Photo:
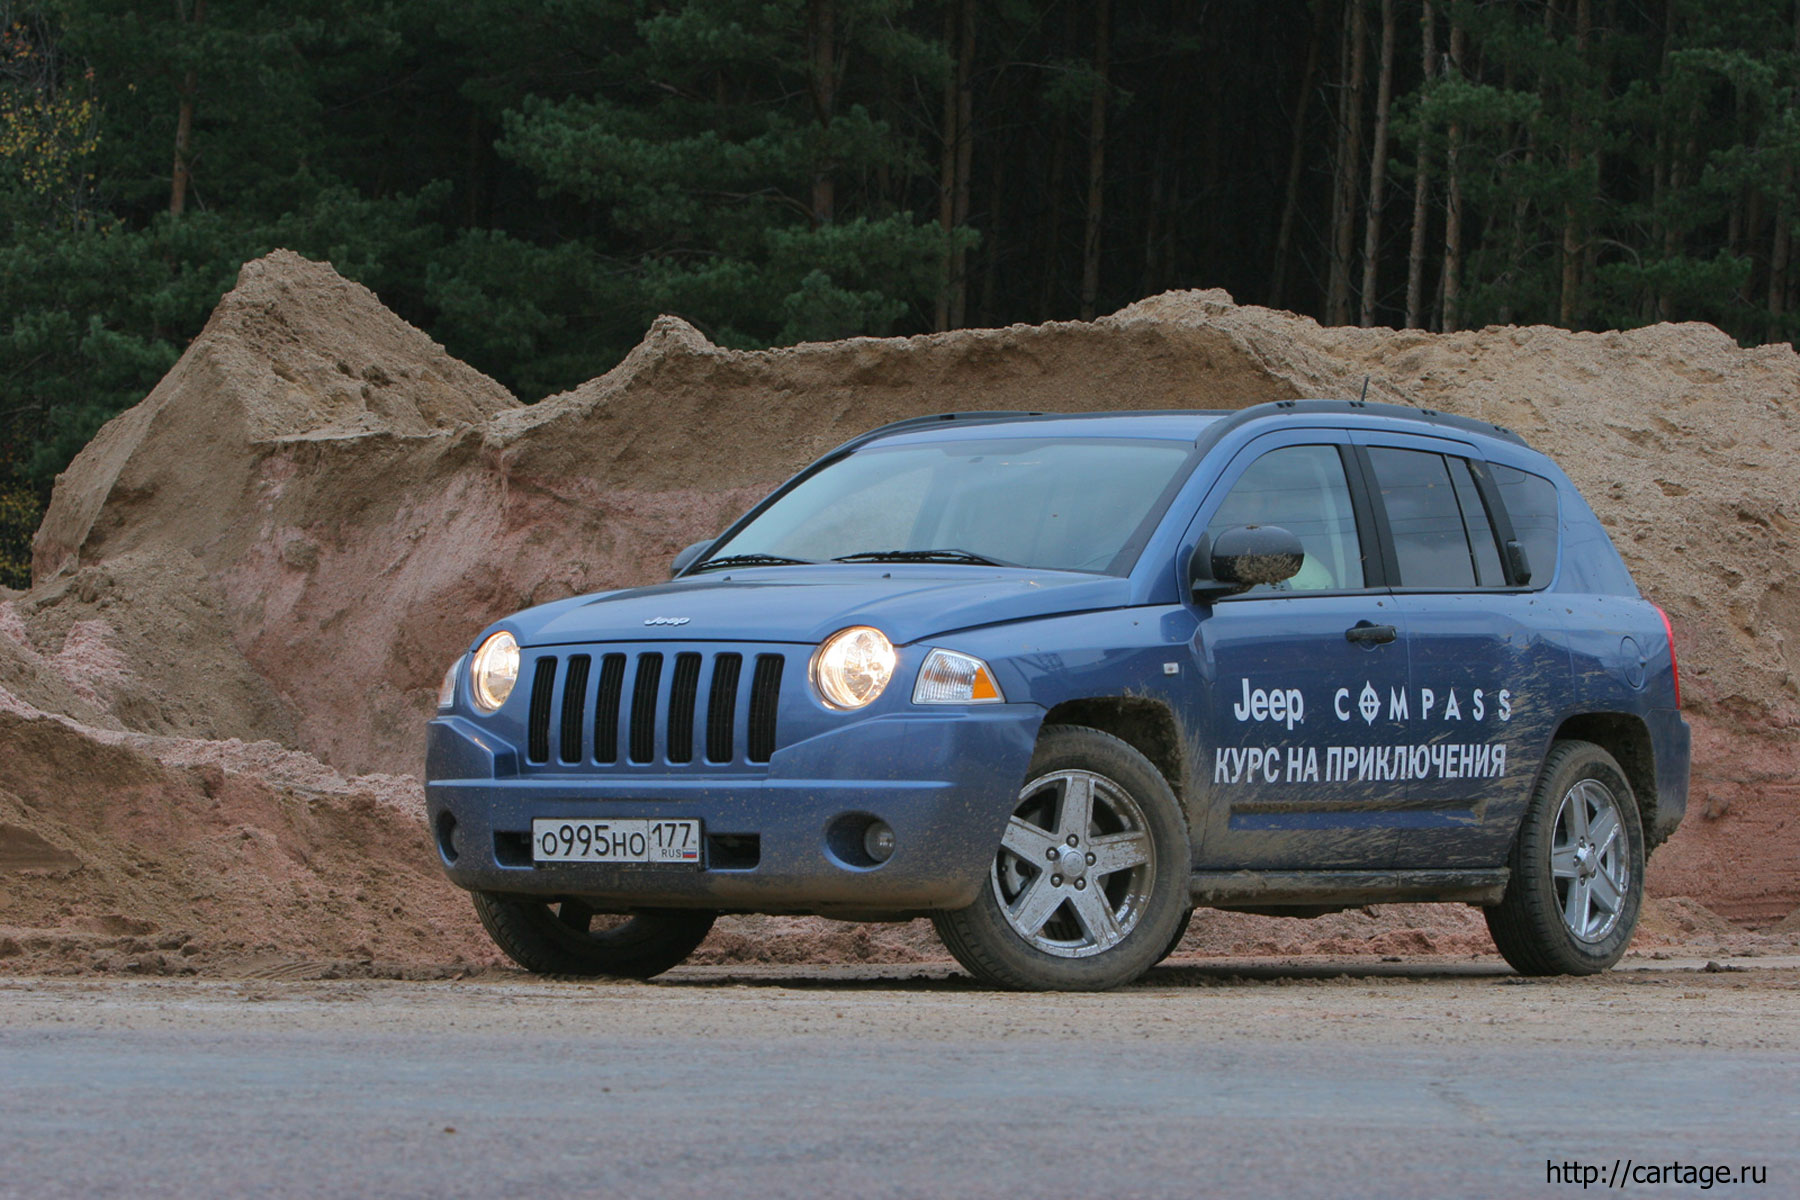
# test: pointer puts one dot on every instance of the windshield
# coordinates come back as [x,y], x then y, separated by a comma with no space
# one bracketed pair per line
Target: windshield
[1069,505]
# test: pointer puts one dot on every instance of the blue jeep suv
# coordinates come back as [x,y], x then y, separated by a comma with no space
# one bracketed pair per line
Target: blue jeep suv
[1053,680]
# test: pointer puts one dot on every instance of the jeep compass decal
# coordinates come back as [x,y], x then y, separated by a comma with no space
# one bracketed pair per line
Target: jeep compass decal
[1286,707]
[1352,764]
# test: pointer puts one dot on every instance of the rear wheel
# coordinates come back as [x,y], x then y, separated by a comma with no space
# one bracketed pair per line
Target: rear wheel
[1577,869]
[1089,886]
[567,937]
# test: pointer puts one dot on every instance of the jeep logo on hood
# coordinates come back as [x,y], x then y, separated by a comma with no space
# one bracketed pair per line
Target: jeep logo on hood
[666,620]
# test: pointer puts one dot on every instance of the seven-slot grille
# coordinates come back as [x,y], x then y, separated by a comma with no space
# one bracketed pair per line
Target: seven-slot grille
[649,706]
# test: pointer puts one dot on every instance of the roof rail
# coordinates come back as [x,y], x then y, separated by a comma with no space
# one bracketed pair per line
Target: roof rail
[1213,432]
[940,418]
[926,422]
[1361,408]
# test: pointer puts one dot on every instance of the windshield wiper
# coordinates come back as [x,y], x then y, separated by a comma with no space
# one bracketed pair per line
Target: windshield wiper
[923,556]
[751,560]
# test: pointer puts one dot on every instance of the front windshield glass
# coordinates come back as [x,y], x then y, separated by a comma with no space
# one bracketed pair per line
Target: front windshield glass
[1071,505]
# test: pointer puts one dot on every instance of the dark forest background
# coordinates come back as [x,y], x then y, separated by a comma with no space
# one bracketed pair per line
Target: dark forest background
[533,182]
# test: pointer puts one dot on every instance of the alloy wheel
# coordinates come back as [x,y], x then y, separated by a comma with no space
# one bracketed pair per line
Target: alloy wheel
[1590,861]
[1075,867]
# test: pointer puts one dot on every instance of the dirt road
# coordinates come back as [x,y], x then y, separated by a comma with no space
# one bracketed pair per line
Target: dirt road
[1236,1078]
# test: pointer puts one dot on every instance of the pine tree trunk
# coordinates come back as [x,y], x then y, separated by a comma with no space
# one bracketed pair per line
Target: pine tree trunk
[1734,221]
[1421,214]
[184,117]
[1569,310]
[1453,214]
[1384,92]
[1780,248]
[1753,236]
[1050,264]
[1153,219]
[1349,171]
[1515,224]
[1661,153]
[1674,237]
[1340,153]
[965,154]
[822,36]
[947,160]
[991,243]
[1290,203]
[1521,206]
[1607,45]
[1096,197]
[1215,168]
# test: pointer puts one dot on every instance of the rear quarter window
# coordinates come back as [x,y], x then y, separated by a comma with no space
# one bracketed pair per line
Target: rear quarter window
[1531,503]
[1591,563]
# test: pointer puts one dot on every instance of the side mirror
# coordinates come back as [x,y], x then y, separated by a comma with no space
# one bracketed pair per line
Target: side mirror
[686,558]
[1244,557]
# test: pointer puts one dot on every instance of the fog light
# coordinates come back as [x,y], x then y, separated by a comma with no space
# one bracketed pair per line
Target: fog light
[449,837]
[878,840]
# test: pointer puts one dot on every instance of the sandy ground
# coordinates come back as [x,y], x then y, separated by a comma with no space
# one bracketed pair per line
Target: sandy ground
[1252,1076]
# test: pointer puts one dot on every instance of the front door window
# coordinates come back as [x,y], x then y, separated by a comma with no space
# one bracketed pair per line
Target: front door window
[1301,489]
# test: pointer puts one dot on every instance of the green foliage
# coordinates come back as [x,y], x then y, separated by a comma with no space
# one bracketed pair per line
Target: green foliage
[540,318]
[678,150]
[703,158]
[49,127]
[534,183]
[853,277]
[20,513]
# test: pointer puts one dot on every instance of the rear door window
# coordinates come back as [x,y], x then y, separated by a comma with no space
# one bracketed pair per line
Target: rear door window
[1432,541]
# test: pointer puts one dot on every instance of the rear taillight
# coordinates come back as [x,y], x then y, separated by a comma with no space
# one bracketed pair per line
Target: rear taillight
[1674,667]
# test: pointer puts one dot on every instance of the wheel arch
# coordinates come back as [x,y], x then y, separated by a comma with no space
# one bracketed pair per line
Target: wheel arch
[1626,737]
[1147,725]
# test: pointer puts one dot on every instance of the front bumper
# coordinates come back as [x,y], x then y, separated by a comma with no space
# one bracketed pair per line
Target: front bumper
[945,782]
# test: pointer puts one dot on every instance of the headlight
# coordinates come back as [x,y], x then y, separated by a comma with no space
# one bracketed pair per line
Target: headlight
[853,666]
[951,678]
[494,671]
[447,689]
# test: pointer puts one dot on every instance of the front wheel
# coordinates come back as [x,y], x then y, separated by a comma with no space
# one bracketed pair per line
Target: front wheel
[1090,883]
[567,937]
[1577,869]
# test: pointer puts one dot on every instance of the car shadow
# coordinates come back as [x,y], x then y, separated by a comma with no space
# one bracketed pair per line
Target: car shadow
[1176,975]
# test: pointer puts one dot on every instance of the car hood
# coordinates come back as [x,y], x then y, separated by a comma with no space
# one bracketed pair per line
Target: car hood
[805,604]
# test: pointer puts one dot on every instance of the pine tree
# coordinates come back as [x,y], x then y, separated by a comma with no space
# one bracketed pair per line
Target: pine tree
[731,163]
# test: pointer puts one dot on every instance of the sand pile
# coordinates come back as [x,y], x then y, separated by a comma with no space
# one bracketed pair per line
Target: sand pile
[311,515]
[130,852]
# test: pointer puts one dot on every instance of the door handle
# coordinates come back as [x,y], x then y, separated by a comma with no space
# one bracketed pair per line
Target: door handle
[1370,633]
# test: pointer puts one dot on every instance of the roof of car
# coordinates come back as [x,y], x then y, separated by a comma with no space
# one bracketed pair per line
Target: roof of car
[1173,425]
[1185,424]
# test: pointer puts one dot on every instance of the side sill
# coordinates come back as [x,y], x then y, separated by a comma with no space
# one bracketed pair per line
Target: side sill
[1305,889]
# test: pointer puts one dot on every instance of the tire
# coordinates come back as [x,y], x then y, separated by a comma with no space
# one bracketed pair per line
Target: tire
[1109,905]
[1175,938]
[553,937]
[1576,879]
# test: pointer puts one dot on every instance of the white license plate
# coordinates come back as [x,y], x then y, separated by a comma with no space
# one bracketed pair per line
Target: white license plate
[628,840]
